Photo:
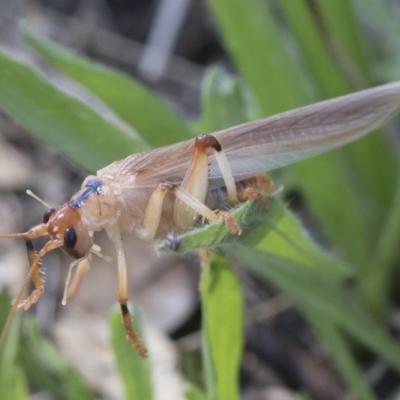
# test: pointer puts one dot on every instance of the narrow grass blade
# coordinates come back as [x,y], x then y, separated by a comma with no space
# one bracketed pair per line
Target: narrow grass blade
[129,99]
[13,384]
[47,368]
[255,44]
[315,293]
[341,353]
[192,392]
[134,371]
[222,306]
[225,101]
[62,121]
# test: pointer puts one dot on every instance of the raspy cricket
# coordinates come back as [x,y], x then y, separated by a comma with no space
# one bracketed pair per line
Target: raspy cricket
[150,194]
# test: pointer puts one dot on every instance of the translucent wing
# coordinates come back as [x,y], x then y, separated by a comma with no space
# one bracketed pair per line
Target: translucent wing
[276,141]
[298,134]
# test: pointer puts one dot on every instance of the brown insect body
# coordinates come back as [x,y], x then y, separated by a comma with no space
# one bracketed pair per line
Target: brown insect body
[151,193]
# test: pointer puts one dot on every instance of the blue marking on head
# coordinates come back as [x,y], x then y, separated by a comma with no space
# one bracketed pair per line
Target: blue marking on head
[93,186]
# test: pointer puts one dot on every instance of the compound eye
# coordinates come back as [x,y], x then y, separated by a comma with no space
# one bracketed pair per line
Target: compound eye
[70,238]
[47,215]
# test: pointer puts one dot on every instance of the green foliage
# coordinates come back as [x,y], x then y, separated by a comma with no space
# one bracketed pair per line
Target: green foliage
[12,379]
[129,99]
[287,56]
[47,368]
[222,305]
[134,371]
[32,358]
[63,121]
[193,393]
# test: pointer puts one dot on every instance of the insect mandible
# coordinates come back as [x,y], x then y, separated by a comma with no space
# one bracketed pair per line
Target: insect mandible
[155,192]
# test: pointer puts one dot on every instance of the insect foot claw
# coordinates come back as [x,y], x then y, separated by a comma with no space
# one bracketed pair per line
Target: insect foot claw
[141,349]
[230,222]
[138,345]
[31,299]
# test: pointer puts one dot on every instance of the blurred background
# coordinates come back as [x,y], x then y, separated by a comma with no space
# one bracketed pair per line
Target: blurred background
[169,46]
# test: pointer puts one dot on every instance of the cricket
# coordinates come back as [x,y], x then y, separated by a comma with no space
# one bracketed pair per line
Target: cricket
[166,190]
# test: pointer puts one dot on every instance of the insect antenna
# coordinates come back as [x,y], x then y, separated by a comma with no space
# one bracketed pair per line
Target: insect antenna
[30,193]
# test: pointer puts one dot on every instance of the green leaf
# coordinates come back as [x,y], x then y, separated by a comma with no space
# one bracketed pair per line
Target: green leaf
[62,121]
[222,306]
[225,101]
[256,46]
[135,104]
[308,29]
[273,229]
[13,384]
[281,235]
[315,293]
[212,235]
[384,19]
[47,368]
[342,26]
[341,353]
[192,392]
[134,371]
[376,286]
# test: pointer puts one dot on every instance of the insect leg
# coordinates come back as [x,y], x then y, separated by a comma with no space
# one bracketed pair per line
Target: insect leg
[255,188]
[123,297]
[34,273]
[36,277]
[152,214]
[195,181]
[77,279]
[200,208]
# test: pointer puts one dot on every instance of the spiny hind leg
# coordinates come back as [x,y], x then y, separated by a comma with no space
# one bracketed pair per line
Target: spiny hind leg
[36,276]
[195,181]
[200,208]
[132,336]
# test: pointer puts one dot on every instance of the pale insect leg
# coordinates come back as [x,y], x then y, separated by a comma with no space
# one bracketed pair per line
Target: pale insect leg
[82,268]
[154,209]
[71,287]
[152,214]
[83,264]
[200,208]
[227,175]
[123,296]
[192,192]
[195,181]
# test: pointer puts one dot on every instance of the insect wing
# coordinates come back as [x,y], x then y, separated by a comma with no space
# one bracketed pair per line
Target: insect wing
[149,168]
[295,135]
[273,142]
